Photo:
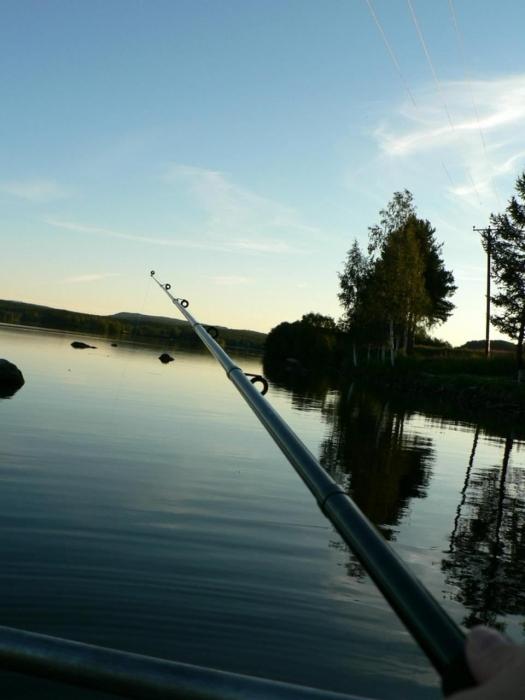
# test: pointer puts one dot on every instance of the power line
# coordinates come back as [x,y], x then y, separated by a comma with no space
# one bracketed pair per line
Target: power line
[390,51]
[431,64]
[462,51]
[439,89]
[400,74]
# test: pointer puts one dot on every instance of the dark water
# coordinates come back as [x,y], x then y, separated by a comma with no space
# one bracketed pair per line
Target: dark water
[142,507]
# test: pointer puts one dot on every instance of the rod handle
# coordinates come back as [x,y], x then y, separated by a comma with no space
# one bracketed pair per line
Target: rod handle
[457,676]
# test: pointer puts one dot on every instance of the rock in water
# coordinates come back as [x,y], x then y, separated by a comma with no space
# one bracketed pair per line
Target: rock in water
[11,379]
[165,358]
[80,346]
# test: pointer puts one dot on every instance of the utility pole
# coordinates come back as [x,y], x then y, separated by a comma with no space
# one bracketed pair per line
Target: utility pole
[486,234]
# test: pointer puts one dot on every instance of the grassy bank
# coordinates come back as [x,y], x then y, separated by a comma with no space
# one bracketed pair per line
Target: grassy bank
[465,379]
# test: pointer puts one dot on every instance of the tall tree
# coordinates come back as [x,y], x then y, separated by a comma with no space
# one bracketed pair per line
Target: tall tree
[508,269]
[439,282]
[403,276]
[352,283]
[398,283]
[393,216]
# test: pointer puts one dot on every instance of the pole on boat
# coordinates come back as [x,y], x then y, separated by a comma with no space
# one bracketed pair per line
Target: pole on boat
[137,676]
[437,634]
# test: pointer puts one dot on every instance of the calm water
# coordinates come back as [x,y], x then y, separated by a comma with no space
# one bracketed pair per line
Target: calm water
[143,507]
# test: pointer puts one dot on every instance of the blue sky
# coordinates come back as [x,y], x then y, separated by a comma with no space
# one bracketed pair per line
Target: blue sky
[238,148]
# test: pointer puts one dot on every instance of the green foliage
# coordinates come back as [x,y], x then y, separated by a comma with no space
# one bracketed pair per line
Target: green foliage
[131,326]
[439,282]
[495,345]
[394,216]
[423,338]
[319,321]
[507,244]
[401,286]
[398,283]
[312,343]
[353,283]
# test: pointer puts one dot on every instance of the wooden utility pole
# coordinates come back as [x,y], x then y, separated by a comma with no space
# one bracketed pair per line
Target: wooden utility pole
[486,233]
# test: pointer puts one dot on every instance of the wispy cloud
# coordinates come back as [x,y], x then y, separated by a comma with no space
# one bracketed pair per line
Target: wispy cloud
[77,227]
[478,150]
[239,217]
[233,218]
[500,104]
[261,246]
[230,280]
[90,277]
[34,190]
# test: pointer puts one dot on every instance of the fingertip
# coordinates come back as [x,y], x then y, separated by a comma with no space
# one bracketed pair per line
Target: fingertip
[483,639]
[486,651]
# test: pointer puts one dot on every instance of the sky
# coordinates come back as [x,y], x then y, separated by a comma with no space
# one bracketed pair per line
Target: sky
[238,147]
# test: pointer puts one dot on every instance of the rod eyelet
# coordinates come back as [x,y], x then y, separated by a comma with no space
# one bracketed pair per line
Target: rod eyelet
[255,378]
[167,287]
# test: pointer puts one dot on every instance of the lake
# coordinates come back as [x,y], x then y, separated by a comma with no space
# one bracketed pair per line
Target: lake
[143,507]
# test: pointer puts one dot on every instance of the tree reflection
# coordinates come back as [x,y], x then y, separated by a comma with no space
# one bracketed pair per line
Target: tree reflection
[486,559]
[370,453]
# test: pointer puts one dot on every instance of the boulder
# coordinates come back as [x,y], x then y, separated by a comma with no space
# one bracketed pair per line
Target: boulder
[78,345]
[11,379]
[165,358]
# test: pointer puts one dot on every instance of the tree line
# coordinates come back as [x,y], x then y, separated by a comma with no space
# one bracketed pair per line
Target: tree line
[398,288]
[390,294]
[135,328]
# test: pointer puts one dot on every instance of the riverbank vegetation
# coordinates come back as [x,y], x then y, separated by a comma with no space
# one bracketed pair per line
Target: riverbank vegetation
[393,295]
[124,325]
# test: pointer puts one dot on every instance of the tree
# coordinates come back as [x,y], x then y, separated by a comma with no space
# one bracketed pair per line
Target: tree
[439,282]
[326,323]
[402,281]
[312,342]
[394,216]
[398,283]
[507,243]
[352,283]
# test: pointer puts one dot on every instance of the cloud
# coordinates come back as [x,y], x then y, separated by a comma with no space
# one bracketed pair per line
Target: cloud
[499,103]
[233,219]
[261,246]
[264,246]
[483,143]
[34,190]
[90,277]
[88,229]
[230,280]
[239,217]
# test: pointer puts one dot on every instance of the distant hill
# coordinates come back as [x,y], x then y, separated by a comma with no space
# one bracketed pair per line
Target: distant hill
[128,324]
[144,318]
[494,344]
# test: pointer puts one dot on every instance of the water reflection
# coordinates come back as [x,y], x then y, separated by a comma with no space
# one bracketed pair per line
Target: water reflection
[371,454]
[383,450]
[486,559]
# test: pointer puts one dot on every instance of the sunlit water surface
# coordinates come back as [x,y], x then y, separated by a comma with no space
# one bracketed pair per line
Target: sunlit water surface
[143,507]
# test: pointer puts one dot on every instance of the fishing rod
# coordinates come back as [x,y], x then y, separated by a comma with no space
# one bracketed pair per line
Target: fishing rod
[433,629]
